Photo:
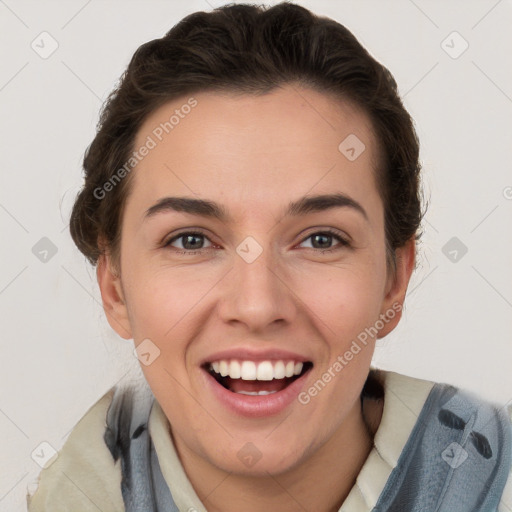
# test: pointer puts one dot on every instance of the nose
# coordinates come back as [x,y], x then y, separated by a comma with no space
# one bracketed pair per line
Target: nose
[258,294]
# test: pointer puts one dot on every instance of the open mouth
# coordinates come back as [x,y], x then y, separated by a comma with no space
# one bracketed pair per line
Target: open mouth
[256,378]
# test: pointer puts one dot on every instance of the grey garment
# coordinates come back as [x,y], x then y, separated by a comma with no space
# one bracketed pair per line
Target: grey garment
[457,458]
[127,436]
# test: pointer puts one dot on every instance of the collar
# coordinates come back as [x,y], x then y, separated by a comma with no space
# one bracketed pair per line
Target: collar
[404,398]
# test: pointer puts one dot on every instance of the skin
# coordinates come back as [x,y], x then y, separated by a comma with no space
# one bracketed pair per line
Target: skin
[254,155]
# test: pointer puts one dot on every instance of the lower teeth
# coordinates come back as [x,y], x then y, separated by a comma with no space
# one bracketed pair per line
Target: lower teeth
[254,393]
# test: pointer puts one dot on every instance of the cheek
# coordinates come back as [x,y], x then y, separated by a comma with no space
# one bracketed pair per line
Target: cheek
[345,305]
[168,307]
[160,298]
[344,298]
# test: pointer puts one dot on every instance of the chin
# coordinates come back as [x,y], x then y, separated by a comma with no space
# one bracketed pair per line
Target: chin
[257,458]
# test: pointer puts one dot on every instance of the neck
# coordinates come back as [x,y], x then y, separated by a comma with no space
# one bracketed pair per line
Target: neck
[330,473]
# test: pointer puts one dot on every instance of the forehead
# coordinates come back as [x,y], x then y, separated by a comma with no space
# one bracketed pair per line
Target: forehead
[290,140]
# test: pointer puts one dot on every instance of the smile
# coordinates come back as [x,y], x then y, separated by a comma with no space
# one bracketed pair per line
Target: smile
[256,388]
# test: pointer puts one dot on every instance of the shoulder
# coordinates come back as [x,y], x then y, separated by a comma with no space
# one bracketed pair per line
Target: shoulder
[462,431]
[84,475]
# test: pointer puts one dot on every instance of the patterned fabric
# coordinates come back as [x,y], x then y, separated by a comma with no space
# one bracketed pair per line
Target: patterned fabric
[457,458]
[127,437]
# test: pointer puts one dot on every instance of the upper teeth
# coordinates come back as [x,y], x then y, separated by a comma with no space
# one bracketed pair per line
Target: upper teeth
[249,370]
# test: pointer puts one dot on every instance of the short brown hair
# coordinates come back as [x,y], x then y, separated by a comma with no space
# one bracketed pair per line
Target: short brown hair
[248,49]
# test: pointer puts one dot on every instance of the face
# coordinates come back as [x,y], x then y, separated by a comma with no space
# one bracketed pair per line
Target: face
[254,311]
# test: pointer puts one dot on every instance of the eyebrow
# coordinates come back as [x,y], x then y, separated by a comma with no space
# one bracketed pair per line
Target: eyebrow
[213,210]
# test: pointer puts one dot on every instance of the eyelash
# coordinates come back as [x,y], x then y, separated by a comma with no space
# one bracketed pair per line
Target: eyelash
[330,232]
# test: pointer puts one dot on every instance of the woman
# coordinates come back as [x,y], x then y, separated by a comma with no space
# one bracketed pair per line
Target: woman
[252,204]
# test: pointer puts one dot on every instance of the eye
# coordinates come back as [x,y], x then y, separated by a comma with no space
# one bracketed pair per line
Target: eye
[324,238]
[191,242]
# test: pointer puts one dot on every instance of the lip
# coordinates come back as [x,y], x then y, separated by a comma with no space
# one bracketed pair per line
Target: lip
[244,354]
[257,406]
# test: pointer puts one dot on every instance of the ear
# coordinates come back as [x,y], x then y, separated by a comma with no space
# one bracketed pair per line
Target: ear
[113,297]
[396,287]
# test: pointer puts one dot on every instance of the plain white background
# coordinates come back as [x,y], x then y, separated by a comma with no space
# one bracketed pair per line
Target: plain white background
[59,355]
